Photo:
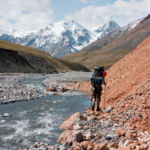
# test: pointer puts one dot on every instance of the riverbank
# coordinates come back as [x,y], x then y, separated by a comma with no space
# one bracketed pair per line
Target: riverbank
[27,122]
[21,87]
[12,88]
[121,126]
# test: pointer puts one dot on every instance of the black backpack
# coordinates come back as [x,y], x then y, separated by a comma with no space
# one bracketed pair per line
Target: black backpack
[97,78]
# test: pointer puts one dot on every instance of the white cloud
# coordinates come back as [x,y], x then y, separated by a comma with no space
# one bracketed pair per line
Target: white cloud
[25,15]
[31,15]
[123,12]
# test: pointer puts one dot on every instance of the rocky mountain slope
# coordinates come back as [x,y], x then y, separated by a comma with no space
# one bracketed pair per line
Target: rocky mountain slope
[61,38]
[100,43]
[16,59]
[114,46]
[125,122]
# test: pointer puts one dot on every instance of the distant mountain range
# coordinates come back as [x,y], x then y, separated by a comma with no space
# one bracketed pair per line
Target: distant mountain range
[61,38]
[109,37]
[112,47]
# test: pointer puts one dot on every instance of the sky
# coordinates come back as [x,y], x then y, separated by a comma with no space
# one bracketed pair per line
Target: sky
[33,15]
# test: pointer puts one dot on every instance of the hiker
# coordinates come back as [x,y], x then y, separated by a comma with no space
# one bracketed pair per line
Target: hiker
[97,79]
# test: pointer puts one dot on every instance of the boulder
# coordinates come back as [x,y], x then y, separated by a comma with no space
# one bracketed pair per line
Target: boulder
[100,146]
[86,144]
[78,136]
[143,147]
[108,109]
[76,127]
[89,136]
[66,137]
[113,145]
[68,123]
[50,147]
[124,148]
[64,89]
[6,115]
[52,89]
[2,121]
[120,132]
[108,137]
[76,146]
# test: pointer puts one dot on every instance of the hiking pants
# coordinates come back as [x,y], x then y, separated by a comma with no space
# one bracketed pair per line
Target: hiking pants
[97,96]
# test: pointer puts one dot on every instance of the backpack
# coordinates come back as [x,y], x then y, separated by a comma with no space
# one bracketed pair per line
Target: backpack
[97,78]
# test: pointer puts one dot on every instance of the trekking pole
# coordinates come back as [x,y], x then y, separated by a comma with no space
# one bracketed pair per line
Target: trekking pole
[91,96]
[104,95]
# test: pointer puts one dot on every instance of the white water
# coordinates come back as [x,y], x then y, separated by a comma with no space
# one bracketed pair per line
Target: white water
[37,120]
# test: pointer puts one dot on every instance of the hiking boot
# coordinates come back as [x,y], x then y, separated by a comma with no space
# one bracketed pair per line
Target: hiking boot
[98,109]
[93,107]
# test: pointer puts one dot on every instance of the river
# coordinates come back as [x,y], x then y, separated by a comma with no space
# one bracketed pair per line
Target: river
[38,119]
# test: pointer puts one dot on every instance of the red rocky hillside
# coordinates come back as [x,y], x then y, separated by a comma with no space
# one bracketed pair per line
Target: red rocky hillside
[126,75]
[129,73]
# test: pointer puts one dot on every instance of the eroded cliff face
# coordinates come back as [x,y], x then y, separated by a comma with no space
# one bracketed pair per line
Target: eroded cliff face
[17,62]
[124,122]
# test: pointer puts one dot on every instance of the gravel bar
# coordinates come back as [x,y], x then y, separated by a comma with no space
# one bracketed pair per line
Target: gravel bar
[20,87]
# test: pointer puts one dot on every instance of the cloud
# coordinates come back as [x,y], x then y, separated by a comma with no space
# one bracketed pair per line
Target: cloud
[123,12]
[26,15]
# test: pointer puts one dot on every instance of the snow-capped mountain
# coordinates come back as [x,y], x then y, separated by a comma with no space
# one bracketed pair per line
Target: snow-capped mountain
[61,38]
[106,28]
[125,29]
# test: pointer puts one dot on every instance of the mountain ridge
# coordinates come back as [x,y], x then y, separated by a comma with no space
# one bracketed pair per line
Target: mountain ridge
[112,47]
[58,39]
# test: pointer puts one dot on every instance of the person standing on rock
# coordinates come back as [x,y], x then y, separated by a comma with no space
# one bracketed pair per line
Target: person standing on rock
[97,79]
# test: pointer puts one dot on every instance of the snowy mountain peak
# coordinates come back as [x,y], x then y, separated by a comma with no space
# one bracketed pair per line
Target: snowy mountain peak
[106,28]
[111,24]
[57,29]
[60,38]
[67,35]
